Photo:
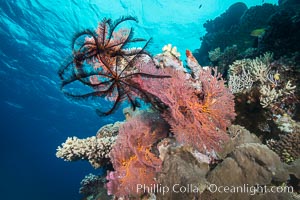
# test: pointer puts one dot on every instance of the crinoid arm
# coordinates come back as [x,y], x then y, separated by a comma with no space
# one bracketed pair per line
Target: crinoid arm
[86,32]
[115,105]
[116,23]
[67,63]
[148,97]
[131,56]
[100,62]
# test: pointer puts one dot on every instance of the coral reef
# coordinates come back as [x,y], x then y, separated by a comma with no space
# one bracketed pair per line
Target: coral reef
[252,32]
[178,131]
[282,36]
[223,59]
[268,83]
[227,20]
[215,55]
[234,27]
[169,58]
[243,73]
[251,70]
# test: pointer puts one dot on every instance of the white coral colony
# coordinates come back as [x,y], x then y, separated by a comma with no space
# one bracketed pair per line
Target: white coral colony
[171,50]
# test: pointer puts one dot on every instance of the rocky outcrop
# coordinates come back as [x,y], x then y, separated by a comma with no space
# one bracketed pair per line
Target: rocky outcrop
[182,171]
[248,165]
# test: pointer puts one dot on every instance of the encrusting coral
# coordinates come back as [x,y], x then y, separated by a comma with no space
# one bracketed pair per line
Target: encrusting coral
[288,144]
[91,185]
[109,130]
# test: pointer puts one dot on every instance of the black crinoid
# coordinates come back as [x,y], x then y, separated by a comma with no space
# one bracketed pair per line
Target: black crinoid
[102,62]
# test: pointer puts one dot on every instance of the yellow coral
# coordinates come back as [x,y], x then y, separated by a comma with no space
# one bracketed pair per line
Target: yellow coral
[277,76]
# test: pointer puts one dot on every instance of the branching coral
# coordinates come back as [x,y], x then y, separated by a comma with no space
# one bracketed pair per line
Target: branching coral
[245,73]
[92,149]
[132,156]
[258,67]
[268,95]
[240,83]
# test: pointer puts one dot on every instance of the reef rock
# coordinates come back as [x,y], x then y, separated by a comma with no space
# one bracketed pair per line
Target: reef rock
[182,170]
[238,135]
[250,164]
[294,168]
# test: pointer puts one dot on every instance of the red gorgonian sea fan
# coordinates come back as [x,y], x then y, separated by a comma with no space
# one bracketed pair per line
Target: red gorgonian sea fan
[198,116]
[132,157]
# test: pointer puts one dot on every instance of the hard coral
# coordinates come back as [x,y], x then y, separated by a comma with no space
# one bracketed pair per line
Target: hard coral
[132,156]
[288,146]
[93,149]
[91,185]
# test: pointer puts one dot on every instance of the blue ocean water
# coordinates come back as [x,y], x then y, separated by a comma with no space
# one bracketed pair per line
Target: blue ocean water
[35,116]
